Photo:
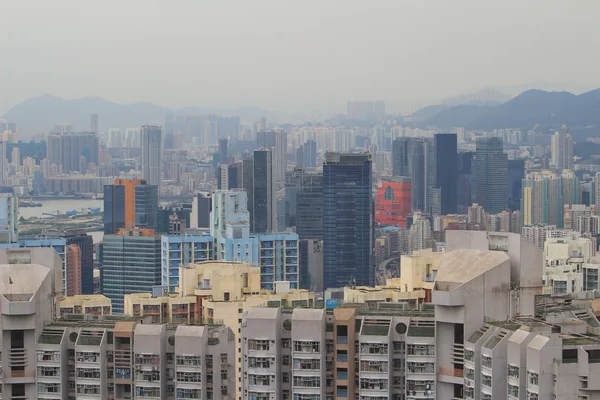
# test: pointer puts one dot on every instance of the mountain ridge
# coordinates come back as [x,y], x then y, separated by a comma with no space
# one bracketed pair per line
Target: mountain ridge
[41,113]
[530,108]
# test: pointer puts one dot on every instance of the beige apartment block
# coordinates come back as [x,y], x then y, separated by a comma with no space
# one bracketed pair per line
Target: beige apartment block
[91,304]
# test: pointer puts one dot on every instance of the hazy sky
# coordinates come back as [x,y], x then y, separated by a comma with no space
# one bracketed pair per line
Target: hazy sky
[292,55]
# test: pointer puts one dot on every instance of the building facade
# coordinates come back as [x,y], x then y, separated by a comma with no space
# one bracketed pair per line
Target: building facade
[347,219]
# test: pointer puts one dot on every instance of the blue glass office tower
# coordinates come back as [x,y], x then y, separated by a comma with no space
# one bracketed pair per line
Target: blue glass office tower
[347,220]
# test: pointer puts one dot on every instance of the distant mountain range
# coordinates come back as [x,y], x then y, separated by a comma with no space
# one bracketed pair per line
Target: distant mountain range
[533,107]
[40,114]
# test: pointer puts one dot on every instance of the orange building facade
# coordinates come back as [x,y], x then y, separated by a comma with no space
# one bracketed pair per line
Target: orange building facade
[393,202]
[129,185]
[73,270]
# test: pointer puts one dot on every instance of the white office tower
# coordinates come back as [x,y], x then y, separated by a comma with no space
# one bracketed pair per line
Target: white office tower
[151,154]
[29,282]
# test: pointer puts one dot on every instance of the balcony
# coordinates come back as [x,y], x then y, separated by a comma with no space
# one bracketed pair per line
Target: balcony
[203,287]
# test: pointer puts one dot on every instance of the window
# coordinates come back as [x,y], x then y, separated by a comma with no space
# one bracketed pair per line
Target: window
[469,355]
[420,368]
[307,364]
[307,381]
[186,393]
[420,350]
[373,366]
[513,371]
[532,378]
[373,348]
[261,380]
[486,361]
[513,391]
[260,362]
[373,384]
[307,346]
[399,347]
[189,361]
[189,377]
[389,194]
[486,380]
[261,345]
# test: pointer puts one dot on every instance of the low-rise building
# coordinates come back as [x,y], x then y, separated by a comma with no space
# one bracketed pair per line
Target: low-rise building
[91,304]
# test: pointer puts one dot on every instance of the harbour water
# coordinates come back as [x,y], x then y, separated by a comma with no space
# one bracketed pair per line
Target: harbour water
[62,206]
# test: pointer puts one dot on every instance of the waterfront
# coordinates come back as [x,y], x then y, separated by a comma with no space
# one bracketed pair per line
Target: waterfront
[52,206]
[60,206]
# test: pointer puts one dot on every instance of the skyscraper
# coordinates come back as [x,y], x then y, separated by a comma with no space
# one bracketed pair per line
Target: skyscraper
[516,174]
[491,175]
[66,149]
[347,220]
[542,199]
[94,123]
[466,166]
[130,203]
[309,154]
[409,159]
[276,139]
[263,212]
[131,264]
[401,157]
[151,154]
[562,149]
[306,206]
[444,177]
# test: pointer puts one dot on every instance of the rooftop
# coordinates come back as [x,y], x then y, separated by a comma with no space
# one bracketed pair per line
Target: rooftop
[19,282]
[461,266]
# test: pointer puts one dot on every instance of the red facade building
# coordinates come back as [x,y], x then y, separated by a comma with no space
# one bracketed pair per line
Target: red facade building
[393,203]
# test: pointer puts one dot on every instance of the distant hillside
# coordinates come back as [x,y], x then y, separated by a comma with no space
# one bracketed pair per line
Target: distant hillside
[40,114]
[548,109]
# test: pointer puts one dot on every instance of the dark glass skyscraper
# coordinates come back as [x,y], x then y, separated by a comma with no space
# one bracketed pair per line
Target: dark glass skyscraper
[130,203]
[516,174]
[259,182]
[401,157]
[465,161]
[491,175]
[444,176]
[309,205]
[347,220]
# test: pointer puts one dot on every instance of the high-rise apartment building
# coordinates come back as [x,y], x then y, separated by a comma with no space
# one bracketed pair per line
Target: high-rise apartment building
[31,282]
[347,219]
[350,353]
[491,174]
[94,124]
[130,203]
[562,149]
[66,149]
[200,214]
[542,199]
[571,189]
[131,264]
[151,154]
